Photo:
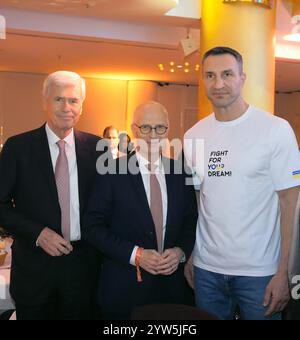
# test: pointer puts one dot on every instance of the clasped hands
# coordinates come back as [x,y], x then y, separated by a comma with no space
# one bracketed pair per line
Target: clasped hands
[161,264]
[53,244]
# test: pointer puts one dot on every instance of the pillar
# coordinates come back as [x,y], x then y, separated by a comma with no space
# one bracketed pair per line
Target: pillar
[250,29]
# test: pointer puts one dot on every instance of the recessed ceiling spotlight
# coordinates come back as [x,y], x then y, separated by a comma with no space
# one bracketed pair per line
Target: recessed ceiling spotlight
[173,67]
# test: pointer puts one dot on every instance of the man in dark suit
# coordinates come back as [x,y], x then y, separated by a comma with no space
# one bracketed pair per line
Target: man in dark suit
[143,222]
[45,179]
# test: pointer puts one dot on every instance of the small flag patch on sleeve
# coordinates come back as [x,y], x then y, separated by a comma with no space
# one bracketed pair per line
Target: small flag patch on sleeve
[296,174]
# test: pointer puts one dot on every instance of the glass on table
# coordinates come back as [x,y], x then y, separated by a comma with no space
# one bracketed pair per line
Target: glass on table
[2,243]
[3,253]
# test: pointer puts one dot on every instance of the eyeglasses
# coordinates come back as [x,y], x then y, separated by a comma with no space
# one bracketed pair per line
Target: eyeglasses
[159,129]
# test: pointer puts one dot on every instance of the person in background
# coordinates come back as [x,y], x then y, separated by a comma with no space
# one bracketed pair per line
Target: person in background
[111,134]
[143,222]
[249,189]
[45,179]
[125,144]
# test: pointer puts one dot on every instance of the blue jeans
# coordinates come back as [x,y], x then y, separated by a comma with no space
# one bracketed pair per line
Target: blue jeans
[220,294]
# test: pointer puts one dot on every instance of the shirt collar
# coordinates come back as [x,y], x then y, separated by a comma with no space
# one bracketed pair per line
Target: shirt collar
[143,162]
[115,153]
[53,138]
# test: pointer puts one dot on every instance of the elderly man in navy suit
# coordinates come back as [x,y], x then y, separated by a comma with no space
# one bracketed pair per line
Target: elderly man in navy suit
[45,179]
[143,222]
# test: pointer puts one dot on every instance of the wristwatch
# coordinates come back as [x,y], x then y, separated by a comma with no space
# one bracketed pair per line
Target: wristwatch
[183,258]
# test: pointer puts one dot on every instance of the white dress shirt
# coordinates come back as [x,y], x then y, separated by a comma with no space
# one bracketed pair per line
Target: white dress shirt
[160,174]
[75,233]
[115,153]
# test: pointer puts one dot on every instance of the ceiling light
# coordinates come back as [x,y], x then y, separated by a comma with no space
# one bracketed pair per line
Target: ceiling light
[265,3]
[173,67]
[295,34]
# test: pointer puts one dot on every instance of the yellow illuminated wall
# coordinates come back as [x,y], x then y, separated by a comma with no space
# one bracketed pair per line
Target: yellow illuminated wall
[104,105]
[112,102]
[108,102]
[20,102]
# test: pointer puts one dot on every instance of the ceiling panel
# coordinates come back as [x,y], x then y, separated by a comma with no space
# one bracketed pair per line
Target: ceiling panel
[40,54]
[113,9]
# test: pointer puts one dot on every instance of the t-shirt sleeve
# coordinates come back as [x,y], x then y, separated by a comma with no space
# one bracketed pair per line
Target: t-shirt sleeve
[285,156]
[194,157]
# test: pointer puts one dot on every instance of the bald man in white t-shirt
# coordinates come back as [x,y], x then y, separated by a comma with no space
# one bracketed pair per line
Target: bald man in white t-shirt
[250,177]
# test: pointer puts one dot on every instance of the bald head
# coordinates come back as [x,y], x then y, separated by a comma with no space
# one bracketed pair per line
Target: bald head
[151,113]
[150,127]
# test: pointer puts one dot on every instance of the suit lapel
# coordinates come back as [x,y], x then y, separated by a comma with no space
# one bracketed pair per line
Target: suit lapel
[44,160]
[83,161]
[167,163]
[138,185]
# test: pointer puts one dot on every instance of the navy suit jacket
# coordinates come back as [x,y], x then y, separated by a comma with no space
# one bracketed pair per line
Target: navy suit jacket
[118,218]
[29,203]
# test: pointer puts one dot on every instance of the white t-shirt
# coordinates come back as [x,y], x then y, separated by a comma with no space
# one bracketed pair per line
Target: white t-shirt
[245,162]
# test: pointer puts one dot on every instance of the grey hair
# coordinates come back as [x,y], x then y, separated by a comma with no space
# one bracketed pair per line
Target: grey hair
[63,78]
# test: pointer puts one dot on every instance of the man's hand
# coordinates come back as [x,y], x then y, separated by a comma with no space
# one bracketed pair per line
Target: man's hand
[189,272]
[277,294]
[53,244]
[170,261]
[149,260]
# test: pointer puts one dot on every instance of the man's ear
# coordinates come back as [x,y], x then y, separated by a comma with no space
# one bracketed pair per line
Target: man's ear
[44,104]
[244,77]
[134,130]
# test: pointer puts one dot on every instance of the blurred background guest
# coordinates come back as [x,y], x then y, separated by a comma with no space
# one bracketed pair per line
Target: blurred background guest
[125,144]
[111,134]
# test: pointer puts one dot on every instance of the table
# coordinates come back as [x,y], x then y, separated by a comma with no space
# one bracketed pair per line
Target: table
[6,301]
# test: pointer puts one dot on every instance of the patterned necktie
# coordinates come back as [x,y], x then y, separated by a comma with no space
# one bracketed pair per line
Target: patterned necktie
[156,207]
[62,179]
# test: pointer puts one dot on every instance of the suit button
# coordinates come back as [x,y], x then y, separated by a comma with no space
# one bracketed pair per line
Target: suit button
[151,233]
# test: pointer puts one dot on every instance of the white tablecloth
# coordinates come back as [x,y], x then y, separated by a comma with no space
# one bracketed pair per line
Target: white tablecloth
[5,298]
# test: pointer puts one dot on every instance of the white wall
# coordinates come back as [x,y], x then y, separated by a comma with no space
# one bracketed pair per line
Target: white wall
[21,102]
[182,105]
[287,106]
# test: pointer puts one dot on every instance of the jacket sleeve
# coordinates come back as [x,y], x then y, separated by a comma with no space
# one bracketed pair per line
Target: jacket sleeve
[11,219]
[186,240]
[96,226]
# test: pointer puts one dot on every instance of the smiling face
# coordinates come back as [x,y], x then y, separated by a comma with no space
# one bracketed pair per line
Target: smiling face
[223,80]
[63,105]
